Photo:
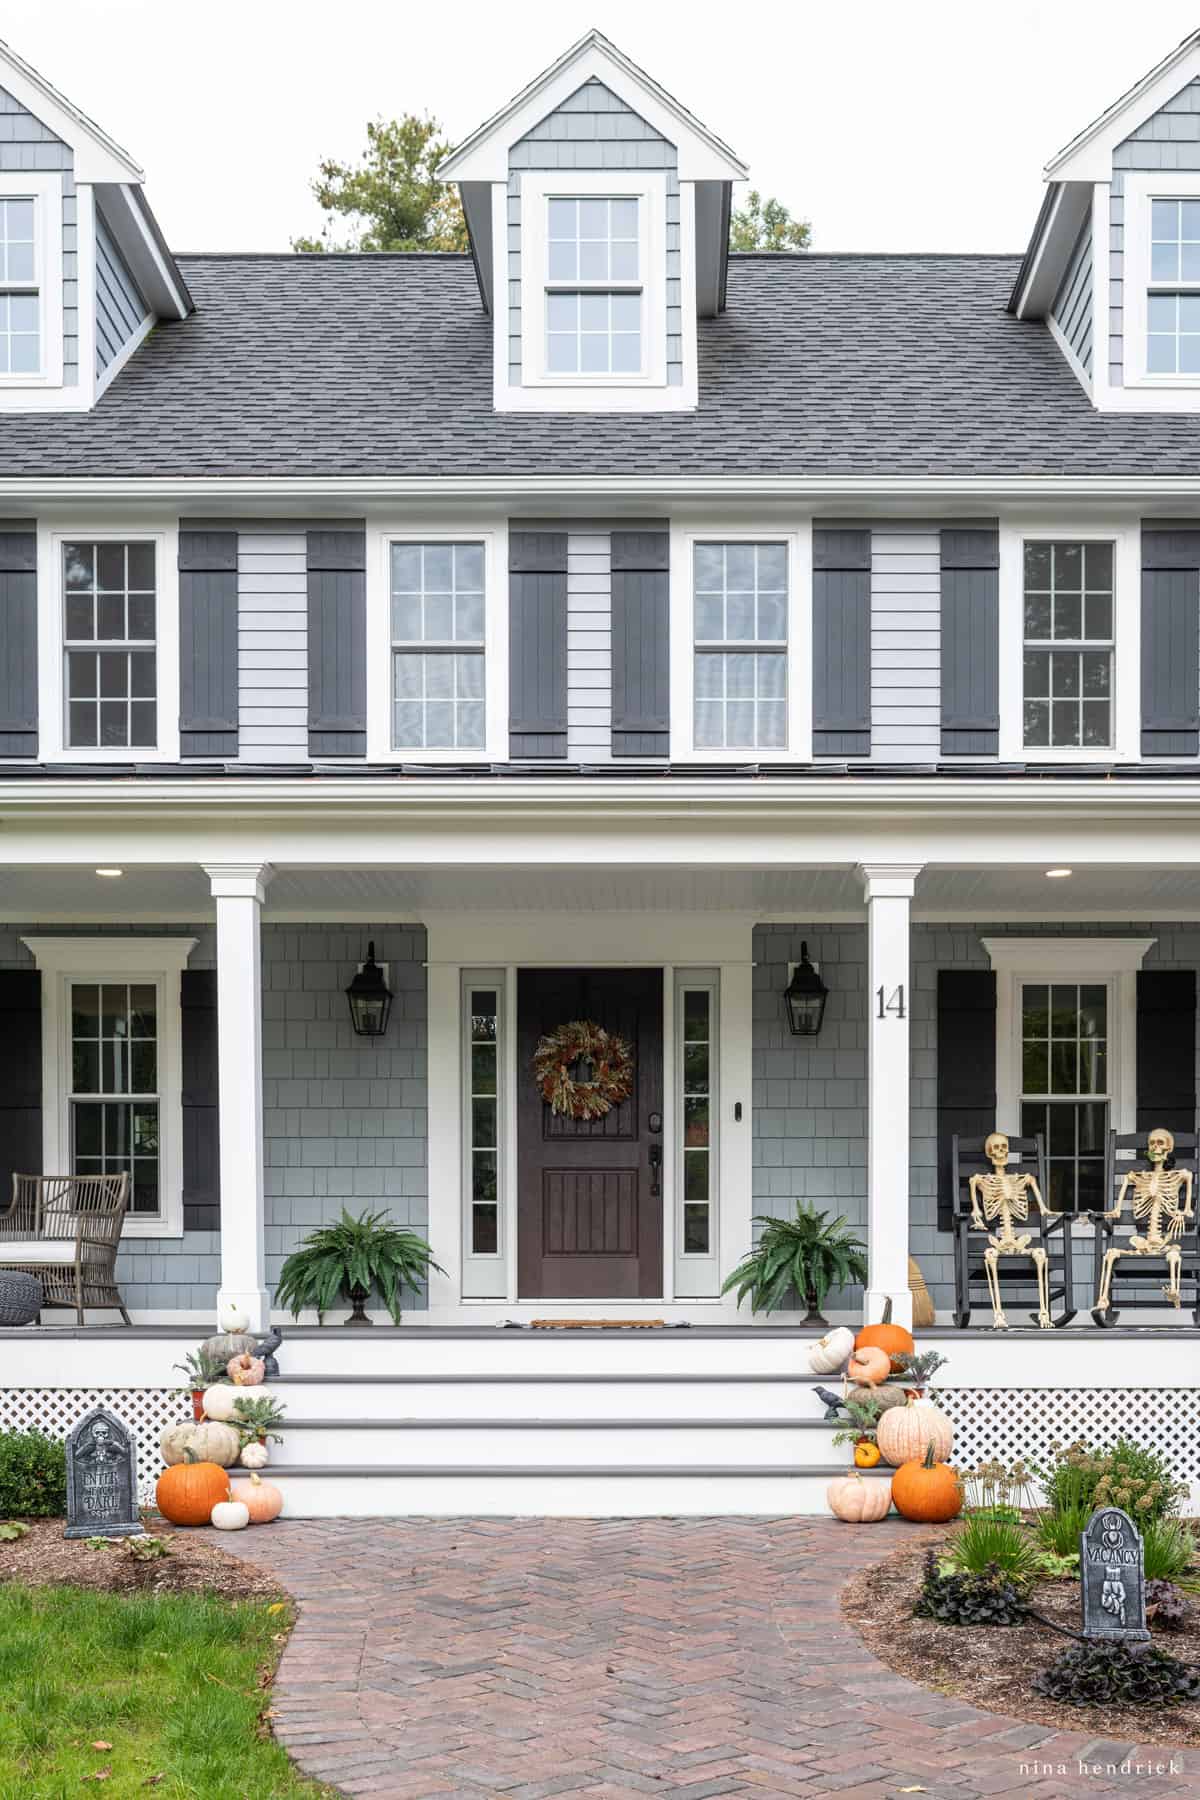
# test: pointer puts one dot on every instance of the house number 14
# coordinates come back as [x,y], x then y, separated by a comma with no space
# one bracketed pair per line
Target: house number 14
[892,1003]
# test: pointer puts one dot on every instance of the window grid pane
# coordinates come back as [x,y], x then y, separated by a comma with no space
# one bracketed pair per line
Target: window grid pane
[113,1102]
[1068,600]
[1064,1081]
[593,333]
[483,1120]
[741,633]
[696,1113]
[109,612]
[437,626]
[592,240]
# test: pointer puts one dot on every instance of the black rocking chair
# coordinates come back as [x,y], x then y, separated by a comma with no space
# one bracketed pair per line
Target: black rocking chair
[1139,1277]
[1014,1273]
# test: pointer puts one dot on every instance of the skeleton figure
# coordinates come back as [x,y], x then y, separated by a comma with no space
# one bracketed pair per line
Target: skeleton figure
[996,1200]
[1161,1200]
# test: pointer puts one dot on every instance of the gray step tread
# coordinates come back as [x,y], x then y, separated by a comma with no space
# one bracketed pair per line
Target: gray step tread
[691,1470]
[494,1424]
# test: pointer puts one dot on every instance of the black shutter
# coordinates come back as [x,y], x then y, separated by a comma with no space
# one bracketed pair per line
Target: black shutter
[201,1140]
[208,643]
[18,645]
[641,643]
[537,643]
[1170,642]
[337,642]
[970,654]
[20,1079]
[1166,1049]
[966,1068]
[841,641]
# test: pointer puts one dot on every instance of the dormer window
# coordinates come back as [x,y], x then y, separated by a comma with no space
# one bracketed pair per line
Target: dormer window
[30,281]
[1173,299]
[593,287]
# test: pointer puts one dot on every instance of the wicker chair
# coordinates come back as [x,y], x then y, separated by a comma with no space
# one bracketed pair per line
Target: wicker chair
[66,1229]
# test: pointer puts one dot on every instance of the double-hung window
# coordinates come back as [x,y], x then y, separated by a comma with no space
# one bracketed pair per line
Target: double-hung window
[109,592]
[1068,645]
[20,296]
[593,285]
[1173,294]
[740,645]
[114,1090]
[1065,1086]
[437,646]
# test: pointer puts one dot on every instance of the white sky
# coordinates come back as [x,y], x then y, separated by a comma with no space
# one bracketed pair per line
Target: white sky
[917,127]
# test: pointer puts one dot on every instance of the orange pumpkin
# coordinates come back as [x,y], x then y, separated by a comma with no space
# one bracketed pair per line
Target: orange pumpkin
[187,1492]
[869,1367]
[894,1339]
[927,1492]
[866,1454]
[263,1498]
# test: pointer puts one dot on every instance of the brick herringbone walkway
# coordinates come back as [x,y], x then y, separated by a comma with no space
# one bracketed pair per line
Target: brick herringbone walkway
[618,1658]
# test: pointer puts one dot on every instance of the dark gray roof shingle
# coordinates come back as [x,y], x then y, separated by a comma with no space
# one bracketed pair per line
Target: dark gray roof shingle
[363,365]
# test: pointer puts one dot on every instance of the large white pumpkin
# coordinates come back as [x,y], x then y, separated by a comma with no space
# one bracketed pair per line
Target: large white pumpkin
[858,1502]
[904,1433]
[220,1400]
[205,1441]
[830,1353]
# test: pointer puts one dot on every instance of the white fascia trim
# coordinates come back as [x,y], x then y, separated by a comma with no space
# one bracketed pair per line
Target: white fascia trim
[51,694]
[1125,537]
[493,536]
[798,540]
[98,157]
[160,960]
[1088,156]
[484,155]
[1073,363]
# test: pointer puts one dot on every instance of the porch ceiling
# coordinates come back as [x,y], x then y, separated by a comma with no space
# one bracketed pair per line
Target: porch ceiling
[144,895]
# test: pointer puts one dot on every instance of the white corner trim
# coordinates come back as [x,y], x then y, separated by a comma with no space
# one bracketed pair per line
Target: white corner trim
[160,960]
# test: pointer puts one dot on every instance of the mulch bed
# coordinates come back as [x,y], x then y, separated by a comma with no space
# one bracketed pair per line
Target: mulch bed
[993,1666]
[44,1558]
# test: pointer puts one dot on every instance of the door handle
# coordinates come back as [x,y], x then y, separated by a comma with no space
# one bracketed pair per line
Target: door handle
[656,1157]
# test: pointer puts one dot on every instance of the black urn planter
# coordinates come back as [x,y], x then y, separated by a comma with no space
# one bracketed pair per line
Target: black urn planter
[814,1315]
[358,1300]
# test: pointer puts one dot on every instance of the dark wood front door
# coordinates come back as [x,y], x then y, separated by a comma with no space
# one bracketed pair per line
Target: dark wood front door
[588,1225]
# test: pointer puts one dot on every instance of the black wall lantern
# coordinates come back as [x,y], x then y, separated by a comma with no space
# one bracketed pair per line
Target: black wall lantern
[805,996]
[370,998]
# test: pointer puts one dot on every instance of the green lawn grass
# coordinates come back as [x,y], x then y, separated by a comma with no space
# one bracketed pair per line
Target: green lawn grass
[170,1681]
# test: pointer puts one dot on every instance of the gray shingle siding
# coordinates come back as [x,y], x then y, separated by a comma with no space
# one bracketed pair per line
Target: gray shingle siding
[120,308]
[905,643]
[28,145]
[595,129]
[1169,139]
[589,647]
[272,645]
[1072,309]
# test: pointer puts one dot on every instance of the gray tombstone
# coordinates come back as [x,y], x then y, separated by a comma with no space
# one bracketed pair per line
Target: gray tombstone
[102,1487]
[1113,1578]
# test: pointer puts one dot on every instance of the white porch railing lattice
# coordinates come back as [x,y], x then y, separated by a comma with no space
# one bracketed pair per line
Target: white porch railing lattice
[1007,1423]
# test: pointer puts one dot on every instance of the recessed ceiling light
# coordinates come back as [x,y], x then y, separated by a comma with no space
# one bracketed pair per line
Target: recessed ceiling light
[1058,874]
[110,874]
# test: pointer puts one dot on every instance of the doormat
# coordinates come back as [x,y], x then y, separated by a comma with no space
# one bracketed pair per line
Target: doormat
[598,1324]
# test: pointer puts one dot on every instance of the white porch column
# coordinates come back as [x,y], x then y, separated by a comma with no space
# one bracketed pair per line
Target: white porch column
[238,891]
[889,891]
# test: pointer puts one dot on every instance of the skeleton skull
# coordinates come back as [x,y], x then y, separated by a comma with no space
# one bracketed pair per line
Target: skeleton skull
[996,1149]
[1159,1145]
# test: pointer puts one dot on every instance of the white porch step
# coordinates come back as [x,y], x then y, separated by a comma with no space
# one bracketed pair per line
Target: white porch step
[502,1398]
[416,1351]
[532,1444]
[588,1491]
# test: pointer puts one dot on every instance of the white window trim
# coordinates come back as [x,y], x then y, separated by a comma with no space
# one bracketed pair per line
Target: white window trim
[46,192]
[1126,681]
[1111,962]
[798,540]
[52,713]
[1140,189]
[593,393]
[62,960]
[494,539]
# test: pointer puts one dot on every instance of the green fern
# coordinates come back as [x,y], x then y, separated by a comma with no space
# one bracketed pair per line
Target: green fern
[808,1253]
[354,1253]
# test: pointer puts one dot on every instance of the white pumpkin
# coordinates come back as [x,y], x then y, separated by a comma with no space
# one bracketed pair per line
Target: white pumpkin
[232,1317]
[231,1515]
[220,1400]
[205,1441]
[830,1353]
[254,1456]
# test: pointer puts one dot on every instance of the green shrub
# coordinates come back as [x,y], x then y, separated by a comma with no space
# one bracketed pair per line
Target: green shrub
[986,1598]
[1139,1481]
[1170,1548]
[1059,1532]
[33,1476]
[1096,1674]
[984,1541]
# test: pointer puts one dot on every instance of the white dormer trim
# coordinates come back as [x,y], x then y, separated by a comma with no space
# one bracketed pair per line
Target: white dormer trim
[484,155]
[1088,156]
[98,157]
[46,192]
